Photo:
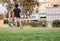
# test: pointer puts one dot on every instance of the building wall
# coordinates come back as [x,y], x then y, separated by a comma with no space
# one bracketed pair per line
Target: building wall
[53,13]
[42,7]
[53,10]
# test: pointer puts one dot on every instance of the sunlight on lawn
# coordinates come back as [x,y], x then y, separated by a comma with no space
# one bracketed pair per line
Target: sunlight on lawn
[29,34]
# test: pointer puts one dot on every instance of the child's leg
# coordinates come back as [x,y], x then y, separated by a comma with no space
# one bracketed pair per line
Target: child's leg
[20,22]
[15,21]
[11,22]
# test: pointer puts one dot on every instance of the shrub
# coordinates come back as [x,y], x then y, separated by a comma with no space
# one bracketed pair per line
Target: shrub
[56,23]
[32,23]
[25,23]
[35,23]
[5,21]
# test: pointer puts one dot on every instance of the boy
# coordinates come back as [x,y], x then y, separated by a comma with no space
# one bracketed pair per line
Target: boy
[16,14]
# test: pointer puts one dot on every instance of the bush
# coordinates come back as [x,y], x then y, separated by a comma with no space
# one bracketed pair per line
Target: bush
[5,21]
[32,23]
[25,23]
[56,23]
[35,23]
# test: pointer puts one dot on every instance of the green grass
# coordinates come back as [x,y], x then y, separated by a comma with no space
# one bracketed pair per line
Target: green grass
[29,34]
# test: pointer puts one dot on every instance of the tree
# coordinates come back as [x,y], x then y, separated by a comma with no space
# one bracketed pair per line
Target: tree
[28,5]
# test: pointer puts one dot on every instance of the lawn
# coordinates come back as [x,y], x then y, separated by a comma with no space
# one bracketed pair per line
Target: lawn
[30,34]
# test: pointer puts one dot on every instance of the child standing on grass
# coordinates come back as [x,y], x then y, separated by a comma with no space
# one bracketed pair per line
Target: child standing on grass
[12,20]
[16,14]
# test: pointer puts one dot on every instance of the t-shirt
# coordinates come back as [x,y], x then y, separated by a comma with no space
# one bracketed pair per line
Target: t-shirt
[17,12]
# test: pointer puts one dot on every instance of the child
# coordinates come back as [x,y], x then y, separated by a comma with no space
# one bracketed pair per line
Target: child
[12,22]
[16,14]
